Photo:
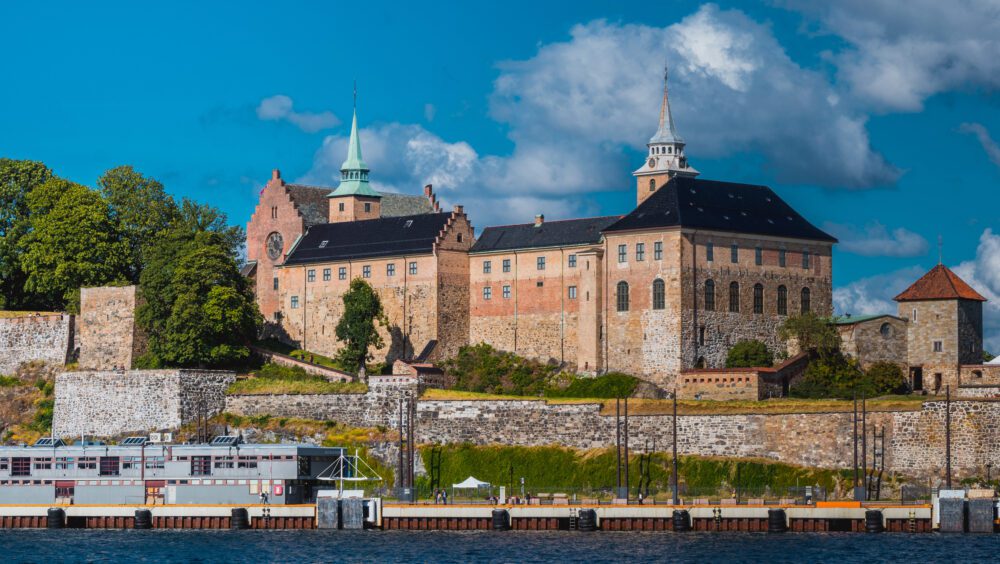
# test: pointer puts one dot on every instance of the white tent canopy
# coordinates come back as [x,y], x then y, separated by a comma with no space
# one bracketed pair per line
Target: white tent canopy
[994,361]
[470,483]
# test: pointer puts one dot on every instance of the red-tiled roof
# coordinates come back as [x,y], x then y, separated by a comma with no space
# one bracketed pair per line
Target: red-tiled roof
[939,284]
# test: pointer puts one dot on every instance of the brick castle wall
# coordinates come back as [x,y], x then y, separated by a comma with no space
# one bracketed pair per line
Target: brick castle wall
[47,338]
[108,403]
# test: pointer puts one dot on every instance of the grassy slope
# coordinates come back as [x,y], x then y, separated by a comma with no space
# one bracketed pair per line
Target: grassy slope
[261,386]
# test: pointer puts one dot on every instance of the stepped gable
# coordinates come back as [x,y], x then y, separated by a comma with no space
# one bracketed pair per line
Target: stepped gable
[311,201]
[370,238]
[940,283]
[720,206]
[586,231]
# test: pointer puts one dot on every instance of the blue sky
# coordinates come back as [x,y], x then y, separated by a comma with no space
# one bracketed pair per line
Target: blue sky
[877,124]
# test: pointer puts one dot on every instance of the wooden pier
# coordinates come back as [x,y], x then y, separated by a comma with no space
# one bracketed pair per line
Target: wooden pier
[162,516]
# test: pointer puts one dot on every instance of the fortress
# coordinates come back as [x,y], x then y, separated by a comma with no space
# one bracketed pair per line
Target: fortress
[697,266]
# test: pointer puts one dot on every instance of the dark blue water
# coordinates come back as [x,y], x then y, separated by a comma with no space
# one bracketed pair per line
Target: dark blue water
[404,546]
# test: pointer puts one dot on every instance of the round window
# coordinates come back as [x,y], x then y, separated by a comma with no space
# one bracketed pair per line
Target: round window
[275,244]
[885,330]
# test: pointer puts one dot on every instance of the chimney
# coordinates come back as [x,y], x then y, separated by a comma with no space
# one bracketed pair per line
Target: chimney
[539,220]
[275,174]
[459,209]
[429,190]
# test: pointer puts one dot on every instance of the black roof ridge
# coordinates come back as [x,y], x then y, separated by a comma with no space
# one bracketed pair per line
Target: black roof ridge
[557,221]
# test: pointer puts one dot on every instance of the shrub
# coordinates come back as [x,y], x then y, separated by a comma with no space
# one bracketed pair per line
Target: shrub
[481,368]
[610,385]
[749,354]
[829,376]
[885,378]
[811,332]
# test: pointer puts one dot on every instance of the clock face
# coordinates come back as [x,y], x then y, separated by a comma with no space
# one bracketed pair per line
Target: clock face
[652,163]
[275,244]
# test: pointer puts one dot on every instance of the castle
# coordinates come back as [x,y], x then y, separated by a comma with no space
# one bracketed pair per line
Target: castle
[697,266]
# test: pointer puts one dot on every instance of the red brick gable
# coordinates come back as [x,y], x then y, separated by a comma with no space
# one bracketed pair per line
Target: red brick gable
[939,284]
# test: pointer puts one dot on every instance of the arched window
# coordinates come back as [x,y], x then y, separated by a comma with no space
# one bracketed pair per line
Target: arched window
[652,184]
[782,300]
[709,295]
[885,330]
[659,299]
[805,300]
[734,297]
[622,297]
[758,298]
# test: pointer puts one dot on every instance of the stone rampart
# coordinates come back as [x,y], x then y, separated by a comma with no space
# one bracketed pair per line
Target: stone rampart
[108,403]
[914,439]
[31,337]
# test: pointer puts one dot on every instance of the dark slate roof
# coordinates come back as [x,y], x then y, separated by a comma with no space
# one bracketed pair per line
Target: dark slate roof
[386,236]
[312,202]
[720,206]
[584,231]
[249,269]
[402,204]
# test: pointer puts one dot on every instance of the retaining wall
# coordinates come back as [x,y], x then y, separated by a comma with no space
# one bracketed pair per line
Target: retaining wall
[26,338]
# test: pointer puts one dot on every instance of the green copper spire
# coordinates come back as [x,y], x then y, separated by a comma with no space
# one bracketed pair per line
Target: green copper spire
[354,171]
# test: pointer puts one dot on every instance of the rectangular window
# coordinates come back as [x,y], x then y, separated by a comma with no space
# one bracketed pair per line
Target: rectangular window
[43,464]
[506,265]
[326,275]
[20,466]
[246,462]
[342,273]
[658,250]
[413,267]
[640,252]
[709,251]
[701,335]
[487,293]
[366,271]
[572,261]
[368,207]
[154,462]
[781,257]
[275,282]
[734,253]
[109,465]
[506,292]
[340,206]
[914,315]
[295,302]
[223,462]
[758,256]
[540,263]
[572,292]
[622,253]
[487,266]
[805,259]
[87,463]
[201,465]
[938,346]
[390,269]
[311,275]
[64,463]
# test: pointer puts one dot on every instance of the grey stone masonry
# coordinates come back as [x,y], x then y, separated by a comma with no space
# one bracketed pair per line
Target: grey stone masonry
[108,403]
[914,439]
[31,337]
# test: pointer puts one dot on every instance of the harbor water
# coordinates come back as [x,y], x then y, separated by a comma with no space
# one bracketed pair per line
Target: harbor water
[69,545]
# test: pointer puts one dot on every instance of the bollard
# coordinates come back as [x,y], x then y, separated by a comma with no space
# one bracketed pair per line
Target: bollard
[143,519]
[587,520]
[56,518]
[501,520]
[873,521]
[240,519]
[682,520]
[776,522]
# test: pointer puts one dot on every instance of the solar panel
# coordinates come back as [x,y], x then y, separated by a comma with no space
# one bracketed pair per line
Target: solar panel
[225,440]
[49,442]
[134,441]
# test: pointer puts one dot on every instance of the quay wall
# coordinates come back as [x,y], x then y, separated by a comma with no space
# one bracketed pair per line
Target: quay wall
[914,440]
[27,338]
[115,402]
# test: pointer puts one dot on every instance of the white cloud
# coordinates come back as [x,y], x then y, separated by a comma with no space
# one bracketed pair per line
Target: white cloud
[429,112]
[899,54]
[875,240]
[281,107]
[874,294]
[983,135]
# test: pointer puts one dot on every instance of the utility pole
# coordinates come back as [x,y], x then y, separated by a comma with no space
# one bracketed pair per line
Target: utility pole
[864,442]
[618,443]
[400,476]
[676,499]
[627,481]
[947,435]
[855,440]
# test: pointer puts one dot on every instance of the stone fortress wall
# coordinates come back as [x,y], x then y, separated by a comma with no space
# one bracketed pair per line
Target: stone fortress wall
[915,440]
[115,402]
[47,338]
[109,336]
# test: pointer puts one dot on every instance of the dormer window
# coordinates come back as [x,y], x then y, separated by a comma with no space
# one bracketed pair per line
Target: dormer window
[670,150]
[652,185]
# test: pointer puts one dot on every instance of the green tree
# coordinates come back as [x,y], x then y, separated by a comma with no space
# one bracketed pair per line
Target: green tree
[749,354]
[832,375]
[72,244]
[197,309]
[357,328]
[140,208]
[885,378]
[17,180]
[987,356]
[811,332]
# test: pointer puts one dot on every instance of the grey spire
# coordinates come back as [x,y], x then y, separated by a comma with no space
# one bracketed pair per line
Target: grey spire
[666,132]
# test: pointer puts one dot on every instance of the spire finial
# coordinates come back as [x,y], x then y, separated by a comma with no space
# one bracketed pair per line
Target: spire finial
[940,250]
[355,95]
[665,132]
